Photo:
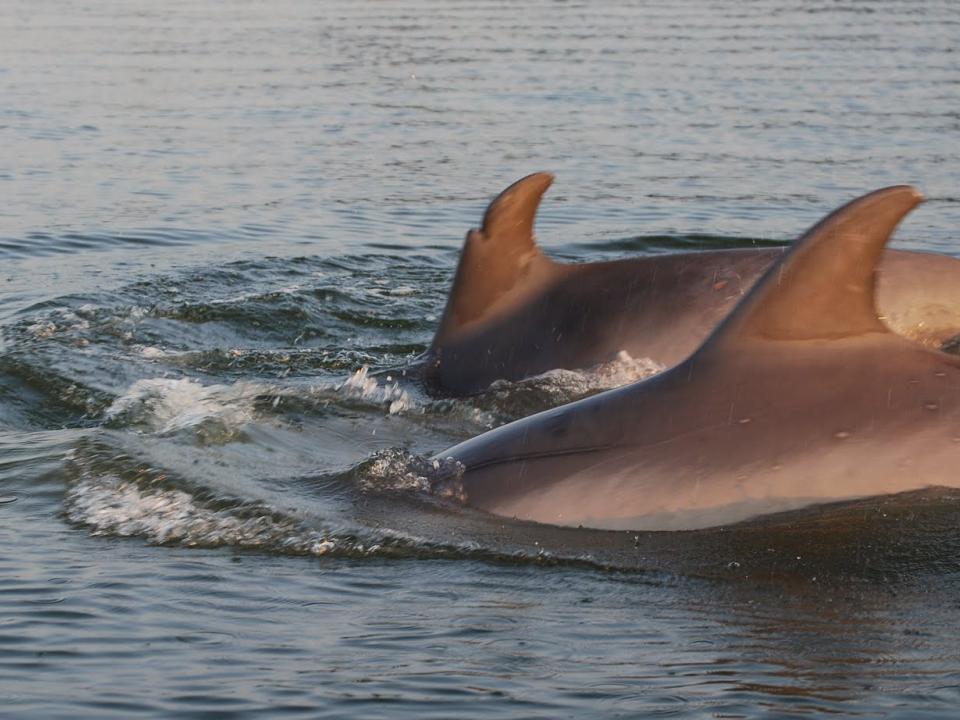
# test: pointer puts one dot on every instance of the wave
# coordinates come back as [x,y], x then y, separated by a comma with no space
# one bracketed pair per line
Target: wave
[259,405]
[399,504]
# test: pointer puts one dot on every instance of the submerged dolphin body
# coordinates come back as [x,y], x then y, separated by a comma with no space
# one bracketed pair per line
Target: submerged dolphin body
[801,395]
[513,312]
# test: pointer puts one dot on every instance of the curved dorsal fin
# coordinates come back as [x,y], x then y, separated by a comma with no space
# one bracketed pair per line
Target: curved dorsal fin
[509,217]
[823,287]
[498,257]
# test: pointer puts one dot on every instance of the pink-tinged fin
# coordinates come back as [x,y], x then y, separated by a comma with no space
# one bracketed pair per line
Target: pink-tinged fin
[825,286]
[498,258]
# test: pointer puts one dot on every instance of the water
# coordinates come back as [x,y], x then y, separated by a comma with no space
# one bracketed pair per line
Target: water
[215,215]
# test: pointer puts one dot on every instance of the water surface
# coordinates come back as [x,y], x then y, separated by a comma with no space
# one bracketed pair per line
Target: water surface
[215,216]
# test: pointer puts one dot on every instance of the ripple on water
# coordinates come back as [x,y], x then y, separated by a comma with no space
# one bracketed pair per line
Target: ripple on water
[213,220]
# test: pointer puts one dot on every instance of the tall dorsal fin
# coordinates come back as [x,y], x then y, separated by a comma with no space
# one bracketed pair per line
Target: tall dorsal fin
[498,257]
[823,287]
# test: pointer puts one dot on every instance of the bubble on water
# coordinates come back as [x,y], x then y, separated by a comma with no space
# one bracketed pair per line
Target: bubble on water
[396,470]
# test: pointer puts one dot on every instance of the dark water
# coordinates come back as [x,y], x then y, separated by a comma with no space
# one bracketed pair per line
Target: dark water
[215,214]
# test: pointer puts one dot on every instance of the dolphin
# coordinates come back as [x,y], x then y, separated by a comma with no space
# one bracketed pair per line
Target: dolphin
[802,395]
[513,312]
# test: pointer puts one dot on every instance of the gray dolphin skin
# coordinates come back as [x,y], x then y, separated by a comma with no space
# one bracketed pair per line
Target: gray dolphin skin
[513,312]
[801,395]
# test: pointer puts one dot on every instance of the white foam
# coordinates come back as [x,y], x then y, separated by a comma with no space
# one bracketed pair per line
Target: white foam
[624,369]
[560,386]
[42,329]
[152,353]
[621,370]
[396,470]
[59,321]
[167,406]
[111,506]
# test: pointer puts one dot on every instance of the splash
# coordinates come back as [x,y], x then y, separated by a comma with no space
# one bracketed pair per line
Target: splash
[213,414]
[388,393]
[512,400]
[109,505]
[396,470]
[59,321]
[621,370]
[112,495]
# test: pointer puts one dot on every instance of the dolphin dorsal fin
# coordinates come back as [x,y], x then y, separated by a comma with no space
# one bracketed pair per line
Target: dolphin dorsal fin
[823,287]
[498,257]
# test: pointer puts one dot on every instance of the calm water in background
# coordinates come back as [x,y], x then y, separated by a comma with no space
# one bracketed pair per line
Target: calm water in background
[214,213]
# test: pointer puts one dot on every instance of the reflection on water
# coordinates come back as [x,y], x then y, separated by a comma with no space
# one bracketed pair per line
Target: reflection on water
[215,216]
[332,122]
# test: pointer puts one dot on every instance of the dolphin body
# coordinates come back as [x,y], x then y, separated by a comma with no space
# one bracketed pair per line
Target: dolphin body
[802,395]
[513,312]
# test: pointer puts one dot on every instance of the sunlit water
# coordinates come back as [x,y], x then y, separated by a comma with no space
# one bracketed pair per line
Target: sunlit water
[216,215]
